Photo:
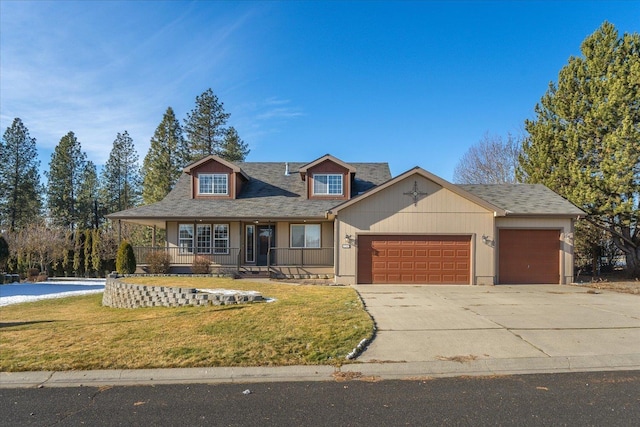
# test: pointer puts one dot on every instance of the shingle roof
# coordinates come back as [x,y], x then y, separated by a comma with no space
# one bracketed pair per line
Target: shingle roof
[269,194]
[523,199]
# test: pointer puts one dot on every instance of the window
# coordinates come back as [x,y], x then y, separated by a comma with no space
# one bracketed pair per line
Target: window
[185,238]
[220,238]
[205,241]
[250,254]
[327,184]
[213,183]
[305,236]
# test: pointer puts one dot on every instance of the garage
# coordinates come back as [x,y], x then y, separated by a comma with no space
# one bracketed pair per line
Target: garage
[529,256]
[414,259]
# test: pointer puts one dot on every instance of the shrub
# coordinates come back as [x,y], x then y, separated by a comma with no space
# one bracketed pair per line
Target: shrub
[125,260]
[32,274]
[200,265]
[158,262]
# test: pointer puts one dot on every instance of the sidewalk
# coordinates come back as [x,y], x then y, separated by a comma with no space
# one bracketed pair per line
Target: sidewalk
[355,371]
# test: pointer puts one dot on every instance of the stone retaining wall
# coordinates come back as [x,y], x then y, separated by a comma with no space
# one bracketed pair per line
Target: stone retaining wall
[119,294]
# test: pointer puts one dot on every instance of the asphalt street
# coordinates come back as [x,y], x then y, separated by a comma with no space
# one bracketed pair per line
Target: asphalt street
[575,399]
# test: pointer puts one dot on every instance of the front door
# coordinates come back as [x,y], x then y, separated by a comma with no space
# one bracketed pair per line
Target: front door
[266,238]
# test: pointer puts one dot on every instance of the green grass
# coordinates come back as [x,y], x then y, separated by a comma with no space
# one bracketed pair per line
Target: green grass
[305,325]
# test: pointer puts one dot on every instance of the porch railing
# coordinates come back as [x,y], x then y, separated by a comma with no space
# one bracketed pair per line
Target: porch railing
[179,256]
[304,257]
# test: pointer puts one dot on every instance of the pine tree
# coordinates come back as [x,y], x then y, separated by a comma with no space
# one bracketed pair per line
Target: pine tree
[233,148]
[66,172]
[120,188]
[20,188]
[204,126]
[165,159]
[584,142]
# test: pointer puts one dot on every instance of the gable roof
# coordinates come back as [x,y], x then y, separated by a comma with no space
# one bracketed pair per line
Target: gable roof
[524,199]
[268,195]
[428,175]
[211,157]
[502,199]
[303,169]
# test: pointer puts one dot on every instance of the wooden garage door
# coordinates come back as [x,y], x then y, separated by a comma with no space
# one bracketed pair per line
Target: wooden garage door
[529,256]
[414,259]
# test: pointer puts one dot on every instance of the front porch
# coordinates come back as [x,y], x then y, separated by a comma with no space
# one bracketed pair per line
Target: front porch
[291,263]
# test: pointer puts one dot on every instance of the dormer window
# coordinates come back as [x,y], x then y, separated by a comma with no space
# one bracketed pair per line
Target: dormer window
[327,184]
[213,184]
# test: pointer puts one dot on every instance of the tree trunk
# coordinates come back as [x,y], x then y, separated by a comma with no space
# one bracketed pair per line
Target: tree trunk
[633,262]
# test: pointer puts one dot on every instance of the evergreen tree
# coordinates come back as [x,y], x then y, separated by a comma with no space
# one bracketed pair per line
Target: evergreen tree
[88,217]
[165,159]
[121,176]
[584,142]
[66,171]
[78,253]
[204,126]
[20,188]
[126,259]
[96,260]
[88,246]
[233,148]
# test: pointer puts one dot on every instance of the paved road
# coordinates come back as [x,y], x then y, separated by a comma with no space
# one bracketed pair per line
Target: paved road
[534,322]
[579,399]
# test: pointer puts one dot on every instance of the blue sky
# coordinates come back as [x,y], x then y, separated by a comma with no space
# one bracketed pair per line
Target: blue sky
[410,83]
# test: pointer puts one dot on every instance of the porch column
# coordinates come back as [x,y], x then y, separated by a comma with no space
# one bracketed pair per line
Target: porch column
[153,236]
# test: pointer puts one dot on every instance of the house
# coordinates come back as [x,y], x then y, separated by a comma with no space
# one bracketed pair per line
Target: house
[354,223]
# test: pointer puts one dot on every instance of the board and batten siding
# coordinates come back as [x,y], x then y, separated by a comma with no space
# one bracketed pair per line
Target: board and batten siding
[566,227]
[440,211]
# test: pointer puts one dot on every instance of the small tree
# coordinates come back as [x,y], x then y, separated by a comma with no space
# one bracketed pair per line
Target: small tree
[126,259]
[96,260]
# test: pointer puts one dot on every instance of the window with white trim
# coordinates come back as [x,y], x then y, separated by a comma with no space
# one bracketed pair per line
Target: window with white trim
[220,238]
[305,235]
[203,238]
[327,184]
[213,183]
[209,238]
[185,238]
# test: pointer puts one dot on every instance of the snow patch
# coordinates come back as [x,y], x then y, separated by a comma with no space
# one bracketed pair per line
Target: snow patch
[17,293]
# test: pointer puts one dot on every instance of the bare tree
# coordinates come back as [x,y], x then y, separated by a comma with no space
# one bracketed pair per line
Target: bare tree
[493,160]
[38,245]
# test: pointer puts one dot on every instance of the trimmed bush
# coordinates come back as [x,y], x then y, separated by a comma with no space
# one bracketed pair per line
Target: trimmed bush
[125,260]
[200,265]
[158,262]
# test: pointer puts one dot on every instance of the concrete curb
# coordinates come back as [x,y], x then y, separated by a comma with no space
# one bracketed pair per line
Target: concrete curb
[363,371]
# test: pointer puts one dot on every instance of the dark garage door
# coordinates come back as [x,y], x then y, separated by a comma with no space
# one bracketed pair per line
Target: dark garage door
[414,259]
[529,256]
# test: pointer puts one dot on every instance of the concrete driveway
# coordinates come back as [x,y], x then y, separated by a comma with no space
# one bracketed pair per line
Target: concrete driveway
[463,323]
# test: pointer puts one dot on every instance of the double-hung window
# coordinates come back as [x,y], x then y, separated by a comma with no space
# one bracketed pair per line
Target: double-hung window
[185,238]
[305,236]
[213,183]
[220,238]
[327,184]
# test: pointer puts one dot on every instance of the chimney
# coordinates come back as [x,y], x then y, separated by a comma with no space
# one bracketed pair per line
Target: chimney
[286,169]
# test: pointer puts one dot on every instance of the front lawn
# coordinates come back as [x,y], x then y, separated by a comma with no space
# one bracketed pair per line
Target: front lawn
[305,325]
